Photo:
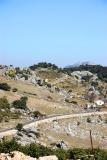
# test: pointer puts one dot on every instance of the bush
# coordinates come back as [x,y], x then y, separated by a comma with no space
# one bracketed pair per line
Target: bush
[11,73]
[89,120]
[44,65]
[20,104]
[7,147]
[19,126]
[14,89]
[86,78]
[4,104]
[5,86]
[25,76]
[37,151]
[37,114]
[74,102]
[37,134]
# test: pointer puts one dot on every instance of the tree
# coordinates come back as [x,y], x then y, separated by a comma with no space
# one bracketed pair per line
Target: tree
[11,73]
[44,65]
[20,104]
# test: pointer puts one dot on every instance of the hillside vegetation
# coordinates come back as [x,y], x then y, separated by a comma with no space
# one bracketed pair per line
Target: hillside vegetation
[37,151]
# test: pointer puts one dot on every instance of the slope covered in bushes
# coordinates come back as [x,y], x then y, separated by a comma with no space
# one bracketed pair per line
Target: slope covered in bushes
[35,150]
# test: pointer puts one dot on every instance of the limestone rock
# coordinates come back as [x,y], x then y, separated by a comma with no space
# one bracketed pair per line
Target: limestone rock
[48,158]
[20,156]
[15,156]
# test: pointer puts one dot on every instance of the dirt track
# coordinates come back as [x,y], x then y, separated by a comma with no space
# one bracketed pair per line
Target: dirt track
[13,131]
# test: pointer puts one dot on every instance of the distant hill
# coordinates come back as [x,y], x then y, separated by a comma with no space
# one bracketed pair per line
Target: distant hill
[80,63]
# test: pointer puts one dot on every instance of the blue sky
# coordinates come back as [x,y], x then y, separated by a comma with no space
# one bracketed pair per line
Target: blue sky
[58,31]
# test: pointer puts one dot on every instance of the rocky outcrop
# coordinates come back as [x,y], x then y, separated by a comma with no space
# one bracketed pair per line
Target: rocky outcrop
[80,74]
[20,156]
[15,156]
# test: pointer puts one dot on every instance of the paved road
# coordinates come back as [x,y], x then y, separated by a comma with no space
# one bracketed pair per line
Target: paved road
[12,131]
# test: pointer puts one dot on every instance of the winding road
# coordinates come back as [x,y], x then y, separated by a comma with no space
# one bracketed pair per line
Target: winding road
[13,131]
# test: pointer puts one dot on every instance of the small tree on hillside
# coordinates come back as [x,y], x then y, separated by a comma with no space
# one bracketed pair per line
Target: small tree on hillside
[4,104]
[21,104]
[11,73]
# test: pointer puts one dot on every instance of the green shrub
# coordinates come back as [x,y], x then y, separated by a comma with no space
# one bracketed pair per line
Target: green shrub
[20,104]
[88,120]
[4,104]
[74,102]
[86,78]
[37,114]
[5,86]
[7,147]
[19,126]
[37,151]
[11,73]
[44,65]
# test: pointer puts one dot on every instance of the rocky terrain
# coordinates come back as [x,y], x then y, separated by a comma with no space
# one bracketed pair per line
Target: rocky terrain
[20,156]
[70,133]
[44,90]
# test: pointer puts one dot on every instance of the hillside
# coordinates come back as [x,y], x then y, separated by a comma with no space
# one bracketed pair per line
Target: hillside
[43,91]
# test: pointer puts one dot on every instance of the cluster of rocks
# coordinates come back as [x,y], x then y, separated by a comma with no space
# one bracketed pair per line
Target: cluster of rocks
[20,156]
[26,74]
[80,129]
[81,74]
[27,136]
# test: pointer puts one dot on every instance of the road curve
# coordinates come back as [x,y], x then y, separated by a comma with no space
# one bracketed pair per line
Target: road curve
[13,131]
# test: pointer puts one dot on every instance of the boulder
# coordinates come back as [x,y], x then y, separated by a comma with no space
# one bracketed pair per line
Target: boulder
[48,158]
[99,102]
[62,145]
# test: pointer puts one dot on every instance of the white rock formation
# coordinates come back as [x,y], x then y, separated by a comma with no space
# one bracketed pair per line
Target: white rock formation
[15,156]
[48,158]
[20,156]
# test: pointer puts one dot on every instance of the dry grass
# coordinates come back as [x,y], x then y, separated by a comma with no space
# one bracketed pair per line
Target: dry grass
[40,100]
[51,75]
